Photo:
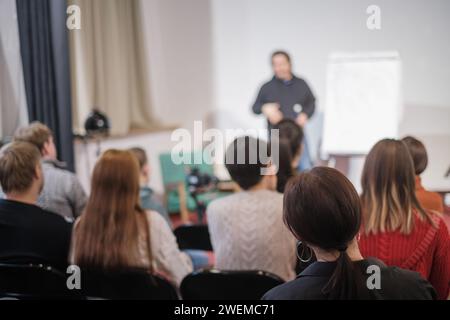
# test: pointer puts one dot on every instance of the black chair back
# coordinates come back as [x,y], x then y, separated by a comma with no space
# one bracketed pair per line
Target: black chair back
[193,237]
[131,284]
[228,285]
[29,281]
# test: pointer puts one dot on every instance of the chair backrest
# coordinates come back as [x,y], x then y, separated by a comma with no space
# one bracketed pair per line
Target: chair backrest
[228,285]
[174,173]
[193,237]
[28,281]
[131,284]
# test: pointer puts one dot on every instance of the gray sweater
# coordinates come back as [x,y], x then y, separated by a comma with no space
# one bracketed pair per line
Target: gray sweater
[62,193]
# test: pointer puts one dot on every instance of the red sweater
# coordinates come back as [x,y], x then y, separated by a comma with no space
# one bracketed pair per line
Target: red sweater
[426,250]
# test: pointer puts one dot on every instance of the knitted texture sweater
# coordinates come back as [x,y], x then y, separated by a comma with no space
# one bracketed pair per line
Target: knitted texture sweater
[426,250]
[247,233]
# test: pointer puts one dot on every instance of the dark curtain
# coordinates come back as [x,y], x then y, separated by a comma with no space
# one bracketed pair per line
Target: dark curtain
[45,59]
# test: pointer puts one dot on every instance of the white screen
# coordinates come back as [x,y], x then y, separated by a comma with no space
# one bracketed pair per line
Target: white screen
[363,102]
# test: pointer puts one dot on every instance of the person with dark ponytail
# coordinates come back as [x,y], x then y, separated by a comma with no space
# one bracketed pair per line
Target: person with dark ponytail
[322,209]
[290,150]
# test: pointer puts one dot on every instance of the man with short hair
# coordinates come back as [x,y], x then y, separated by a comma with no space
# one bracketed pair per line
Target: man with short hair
[286,96]
[62,192]
[246,228]
[28,234]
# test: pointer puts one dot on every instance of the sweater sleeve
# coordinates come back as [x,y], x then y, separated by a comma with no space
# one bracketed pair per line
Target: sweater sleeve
[168,258]
[309,105]
[440,270]
[260,101]
[78,198]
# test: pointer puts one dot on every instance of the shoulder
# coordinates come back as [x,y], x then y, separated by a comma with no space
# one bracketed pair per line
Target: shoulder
[398,283]
[262,197]
[220,204]
[50,169]
[298,289]
[155,219]
[412,285]
[55,220]
[269,84]
[301,82]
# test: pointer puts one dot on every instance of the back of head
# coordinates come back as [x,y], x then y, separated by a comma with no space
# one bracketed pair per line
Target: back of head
[140,155]
[35,133]
[285,161]
[293,133]
[322,208]
[418,154]
[18,162]
[290,139]
[388,184]
[245,159]
[107,233]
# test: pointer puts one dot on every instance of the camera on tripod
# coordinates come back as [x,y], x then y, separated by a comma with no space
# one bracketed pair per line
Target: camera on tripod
[197,183]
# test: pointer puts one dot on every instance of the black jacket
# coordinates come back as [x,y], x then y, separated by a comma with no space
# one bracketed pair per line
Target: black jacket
[293,96]
[395,283]
[29,234]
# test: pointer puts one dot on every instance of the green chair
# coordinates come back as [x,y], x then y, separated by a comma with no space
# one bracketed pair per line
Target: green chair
[178,199]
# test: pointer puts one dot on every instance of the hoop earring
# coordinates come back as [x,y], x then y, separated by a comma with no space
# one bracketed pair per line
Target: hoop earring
[302,252]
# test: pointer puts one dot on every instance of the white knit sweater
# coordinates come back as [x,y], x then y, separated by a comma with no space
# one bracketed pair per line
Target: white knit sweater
[248,233]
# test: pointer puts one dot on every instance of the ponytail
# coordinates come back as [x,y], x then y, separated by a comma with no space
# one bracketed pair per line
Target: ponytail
[285,170]
[344,283]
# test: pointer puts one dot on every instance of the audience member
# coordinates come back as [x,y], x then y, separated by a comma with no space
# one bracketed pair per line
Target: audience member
[323,211]
[396,229]
[28,234]
[149,200]
[428,200]
[62,193]
[114,232]
[246,228]
[290,150]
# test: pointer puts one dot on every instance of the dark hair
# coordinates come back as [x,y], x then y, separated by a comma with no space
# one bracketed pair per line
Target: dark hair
[322,208]
[140,155]
[285,170]
[418,153]
[290,141]
[244,160]
[281,53]
[292,132]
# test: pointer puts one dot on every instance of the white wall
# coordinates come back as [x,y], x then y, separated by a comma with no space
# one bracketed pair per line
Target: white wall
[245,32]
[209,57]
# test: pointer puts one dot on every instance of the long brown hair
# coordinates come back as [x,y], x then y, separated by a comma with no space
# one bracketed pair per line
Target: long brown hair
[322,208]
[388,189]
[108,232]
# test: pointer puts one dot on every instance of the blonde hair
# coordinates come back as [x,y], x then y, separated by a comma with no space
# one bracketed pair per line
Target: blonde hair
[388,182]
[18,161]
[35,133]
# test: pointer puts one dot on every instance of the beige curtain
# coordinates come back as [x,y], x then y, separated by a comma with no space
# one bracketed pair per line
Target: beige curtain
[109,65]
[13,101]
